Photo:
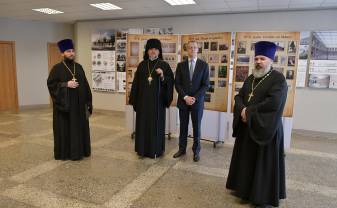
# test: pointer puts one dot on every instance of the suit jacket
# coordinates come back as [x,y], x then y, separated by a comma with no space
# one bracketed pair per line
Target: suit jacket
[196,87]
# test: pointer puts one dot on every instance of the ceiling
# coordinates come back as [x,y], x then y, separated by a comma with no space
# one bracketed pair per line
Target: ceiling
[78,10]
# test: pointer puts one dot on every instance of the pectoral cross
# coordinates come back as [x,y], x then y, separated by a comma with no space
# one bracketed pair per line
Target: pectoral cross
[150,80]
[74,79]
[250,96]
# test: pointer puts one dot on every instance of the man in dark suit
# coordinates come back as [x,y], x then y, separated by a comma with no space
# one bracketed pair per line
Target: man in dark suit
[191,83]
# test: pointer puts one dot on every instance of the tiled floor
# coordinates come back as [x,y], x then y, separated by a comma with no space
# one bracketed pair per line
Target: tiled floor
[115,177]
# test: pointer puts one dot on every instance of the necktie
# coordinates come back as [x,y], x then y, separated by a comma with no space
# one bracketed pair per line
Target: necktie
[191,69]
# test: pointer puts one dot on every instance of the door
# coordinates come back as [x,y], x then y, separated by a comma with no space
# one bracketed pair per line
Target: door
[54,57]
[8,82]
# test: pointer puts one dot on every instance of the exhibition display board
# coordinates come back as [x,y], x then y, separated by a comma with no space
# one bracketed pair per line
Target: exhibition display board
[214,48]
[135,52]
[286,60]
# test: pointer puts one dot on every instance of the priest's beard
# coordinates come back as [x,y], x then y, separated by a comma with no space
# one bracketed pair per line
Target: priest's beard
[259,71]
[152,58]
[69,59]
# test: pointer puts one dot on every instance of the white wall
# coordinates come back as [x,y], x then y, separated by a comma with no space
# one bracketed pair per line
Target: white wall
[323,119]
[31,40]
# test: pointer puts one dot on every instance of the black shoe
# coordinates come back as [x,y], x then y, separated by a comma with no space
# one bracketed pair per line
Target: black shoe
[179,154]
[196,157]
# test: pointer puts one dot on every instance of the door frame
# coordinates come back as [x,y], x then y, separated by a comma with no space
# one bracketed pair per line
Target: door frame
[16,107]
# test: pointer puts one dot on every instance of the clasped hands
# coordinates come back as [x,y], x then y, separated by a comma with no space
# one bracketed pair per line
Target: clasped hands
[72,84]
[189,100]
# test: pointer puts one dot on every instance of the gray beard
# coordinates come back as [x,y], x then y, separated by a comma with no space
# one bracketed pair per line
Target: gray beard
[258,73]
[152,58]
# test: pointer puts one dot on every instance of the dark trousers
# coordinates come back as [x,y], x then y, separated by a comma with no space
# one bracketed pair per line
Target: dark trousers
[196,116]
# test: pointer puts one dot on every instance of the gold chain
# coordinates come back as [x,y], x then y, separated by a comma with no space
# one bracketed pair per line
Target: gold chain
[150,72]
[251,94]
[73,74]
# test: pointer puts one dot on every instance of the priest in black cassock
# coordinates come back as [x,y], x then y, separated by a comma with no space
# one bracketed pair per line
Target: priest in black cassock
[257,170]
[151,94]
[72,105]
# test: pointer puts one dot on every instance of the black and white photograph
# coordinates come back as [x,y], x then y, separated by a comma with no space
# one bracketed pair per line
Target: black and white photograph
[291,60]
[241,49]
[211,86]
[120,66]
[212,71]
[200,44]
[290,74]
[121,57]
[121,34]
[243,59]
[103,40]
[121,46]
[241,73]
[252,46]
[291,47]
[223,58]
[214,46]
[303,53]
[223,47]
[206,45]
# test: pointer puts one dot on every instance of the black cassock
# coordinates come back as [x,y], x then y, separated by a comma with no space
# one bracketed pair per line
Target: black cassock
[150,102]
[257,170]
[70,116]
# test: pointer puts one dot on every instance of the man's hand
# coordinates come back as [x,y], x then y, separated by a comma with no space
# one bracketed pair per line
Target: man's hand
[160,73]
[189,100]
[72,84]
[243,115]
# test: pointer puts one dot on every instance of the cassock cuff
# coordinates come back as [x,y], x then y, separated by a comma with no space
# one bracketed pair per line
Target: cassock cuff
[64,84]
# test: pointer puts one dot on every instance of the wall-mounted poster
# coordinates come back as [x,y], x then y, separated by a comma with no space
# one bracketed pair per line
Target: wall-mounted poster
[303,57]
[323,60]
[214,48]
[108,53]
[135,52]
[158,31]
[286,60]
[103,81]
[103,60]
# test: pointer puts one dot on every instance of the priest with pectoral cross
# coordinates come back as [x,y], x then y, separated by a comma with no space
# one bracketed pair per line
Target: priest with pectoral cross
[151,94]
[72,104]
[257,170]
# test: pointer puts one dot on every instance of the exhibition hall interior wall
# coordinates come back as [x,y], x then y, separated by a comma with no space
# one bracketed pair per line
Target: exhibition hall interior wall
[31,39]
[314,108]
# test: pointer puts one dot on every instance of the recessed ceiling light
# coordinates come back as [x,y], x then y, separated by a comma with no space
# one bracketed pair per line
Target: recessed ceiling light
[180,2]
[106,6]
[48,11]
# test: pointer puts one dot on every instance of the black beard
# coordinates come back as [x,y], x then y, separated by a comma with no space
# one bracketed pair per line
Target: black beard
[69,60]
